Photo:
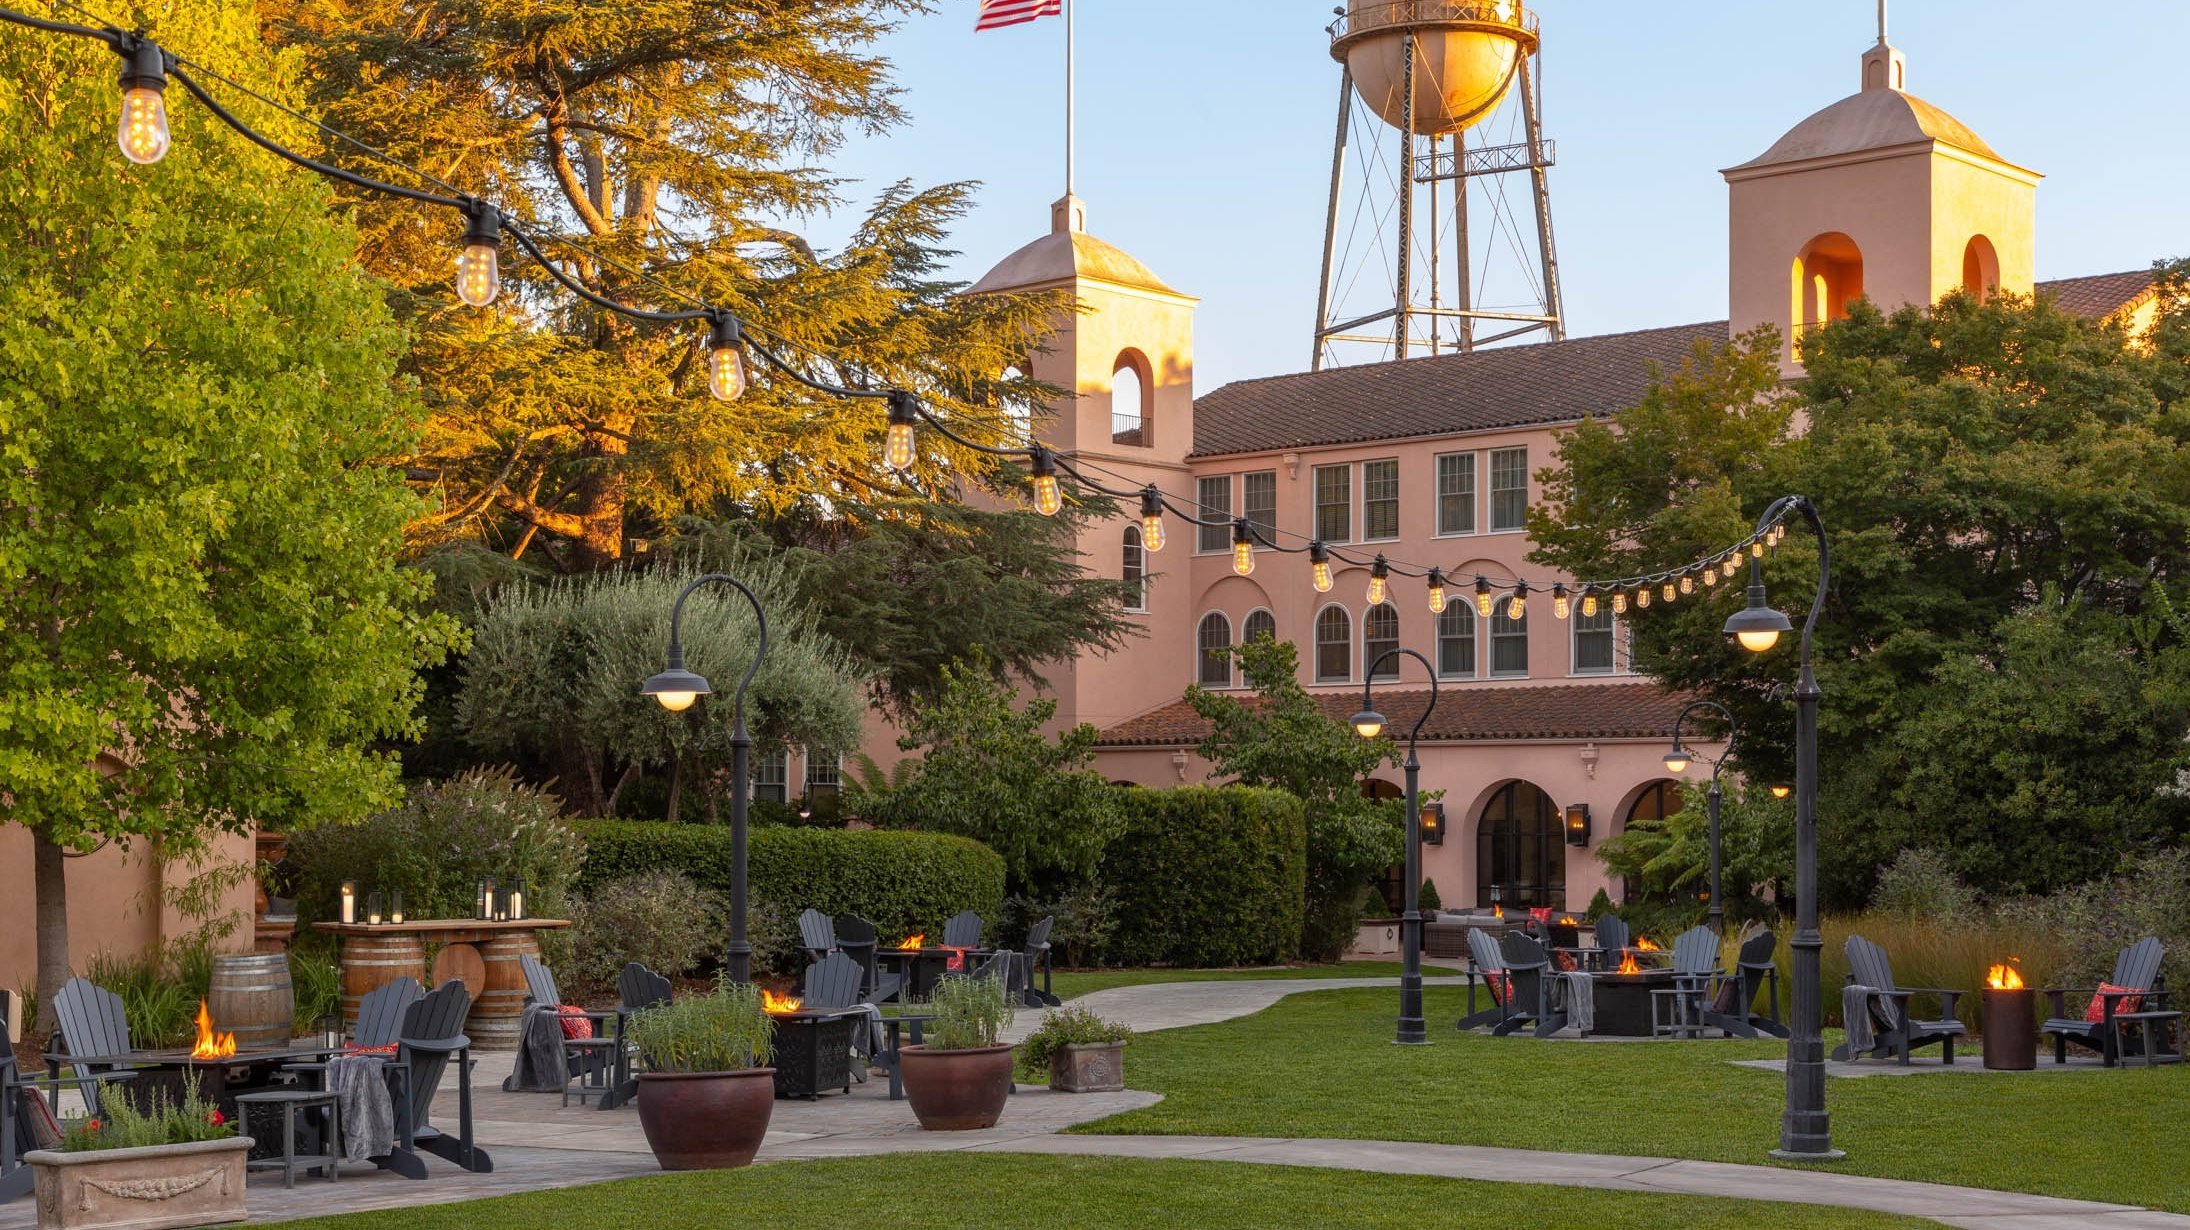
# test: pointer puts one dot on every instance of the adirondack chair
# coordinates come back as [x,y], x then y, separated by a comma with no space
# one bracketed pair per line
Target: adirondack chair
[963,931]
[816,934]
[2137,971]
[585,1059]
[1733,1005]
[89,1020]
[1528,965]
[1487,962]
[856,937]
[1612,941]
[19,1120]
[1035,952]
[1899,1029]
[432,1033]
[379,1021]
[637,989]
[833,982]
[1695,971]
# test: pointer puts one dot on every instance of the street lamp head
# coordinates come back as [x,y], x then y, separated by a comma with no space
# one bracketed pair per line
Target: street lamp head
[1677,760]
[676,688]
[1368,723]
[1781,790]
[1759,625]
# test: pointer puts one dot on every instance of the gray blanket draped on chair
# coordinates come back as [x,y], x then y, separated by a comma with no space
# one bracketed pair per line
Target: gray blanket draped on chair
[1855,1011]
[540,1066]
[360,1086]
[1581,1000]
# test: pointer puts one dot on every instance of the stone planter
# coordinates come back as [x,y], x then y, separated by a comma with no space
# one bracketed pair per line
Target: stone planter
[706,1120]
[957,1091]
[198,1184]
[1087,1067]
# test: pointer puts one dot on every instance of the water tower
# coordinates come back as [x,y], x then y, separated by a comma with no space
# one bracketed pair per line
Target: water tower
[1426,250]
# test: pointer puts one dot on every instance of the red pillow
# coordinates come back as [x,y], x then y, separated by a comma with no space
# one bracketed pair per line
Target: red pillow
[2097,1011]
[388,1049]
[1501,984]
[577,1026]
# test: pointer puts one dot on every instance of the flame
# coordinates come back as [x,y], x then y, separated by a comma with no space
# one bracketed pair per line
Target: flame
[1627,963]
[1497,911]
[211,1045]
[2004,978]
[1569,921]
[772,1002]
[914,942]
[1644,943]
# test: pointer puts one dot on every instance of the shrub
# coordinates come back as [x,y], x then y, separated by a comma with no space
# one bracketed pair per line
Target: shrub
[315,980]
[1208,876]
[660,918]
[725,1031]
[1428,899]
[1071,1025]
[122,1126]
[1083,921]
[160,989]
[2093,922]
[969,1013]
[1922,884]
[1599,905]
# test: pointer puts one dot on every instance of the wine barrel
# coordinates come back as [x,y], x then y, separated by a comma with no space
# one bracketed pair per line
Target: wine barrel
[372,961]
[497,1012]
[250,996]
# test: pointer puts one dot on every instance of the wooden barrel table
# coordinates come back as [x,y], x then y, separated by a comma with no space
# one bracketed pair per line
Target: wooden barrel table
[373,957]
[250,996]
[483,955]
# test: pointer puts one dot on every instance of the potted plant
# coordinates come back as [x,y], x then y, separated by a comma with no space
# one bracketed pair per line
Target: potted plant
[166,1166]
[1077,1051]
[706,1091]
[960,1076]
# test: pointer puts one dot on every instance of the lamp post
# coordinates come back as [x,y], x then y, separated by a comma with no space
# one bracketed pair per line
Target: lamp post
[1413,1030]
[1676,763]
[1805,1133]
[676,689]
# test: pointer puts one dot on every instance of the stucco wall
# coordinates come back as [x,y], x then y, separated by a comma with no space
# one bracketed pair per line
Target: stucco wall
[114,902]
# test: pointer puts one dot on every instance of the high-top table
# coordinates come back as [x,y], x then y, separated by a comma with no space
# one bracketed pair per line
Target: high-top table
[479,953]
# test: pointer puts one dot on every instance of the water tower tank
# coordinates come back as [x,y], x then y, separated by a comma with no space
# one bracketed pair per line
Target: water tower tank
[1466,55]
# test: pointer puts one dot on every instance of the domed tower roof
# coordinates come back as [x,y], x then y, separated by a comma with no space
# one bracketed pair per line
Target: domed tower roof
[1069,253]
[1874,119]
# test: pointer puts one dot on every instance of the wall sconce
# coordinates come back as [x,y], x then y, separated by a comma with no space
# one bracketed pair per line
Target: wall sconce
[1433,824]
[1178,762]
[1577,824]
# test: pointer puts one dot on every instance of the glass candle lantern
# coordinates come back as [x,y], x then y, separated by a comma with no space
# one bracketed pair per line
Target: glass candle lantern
[349,901]
[516,908]
[395,907]
[330,1032]
[486,898]
[372,908]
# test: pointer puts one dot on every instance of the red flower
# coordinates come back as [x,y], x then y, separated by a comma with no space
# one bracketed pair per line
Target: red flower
[216,1118]
[91,1125]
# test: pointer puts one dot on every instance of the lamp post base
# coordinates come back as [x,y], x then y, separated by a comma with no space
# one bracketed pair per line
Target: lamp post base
[1790,1155]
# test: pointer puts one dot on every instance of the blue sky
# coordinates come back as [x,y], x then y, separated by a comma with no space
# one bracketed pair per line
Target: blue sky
[1205,134]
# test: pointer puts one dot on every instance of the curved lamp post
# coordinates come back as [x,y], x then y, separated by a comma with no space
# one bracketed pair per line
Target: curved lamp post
[1805,1132]
[677,689]
[1413,1030]
[1676,763]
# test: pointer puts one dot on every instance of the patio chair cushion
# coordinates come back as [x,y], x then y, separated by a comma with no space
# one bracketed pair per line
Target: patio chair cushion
[45,1130]
[577,1026]
[389,1049]
[2096,1012]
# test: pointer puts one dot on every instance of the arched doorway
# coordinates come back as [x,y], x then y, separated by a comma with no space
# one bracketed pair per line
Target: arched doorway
[1520,851]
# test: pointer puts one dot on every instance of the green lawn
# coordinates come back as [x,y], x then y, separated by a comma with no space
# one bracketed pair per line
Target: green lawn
[1004,1192]
[1322,1064]
[1071,984]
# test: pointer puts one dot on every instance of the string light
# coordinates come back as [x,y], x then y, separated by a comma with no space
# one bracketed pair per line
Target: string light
[1437,592]
[1243,547]
[1517,605]
[1669,592]
[1560,608]
[1319,567]
[1756,549]
[1047,498]
[1483,599]
[1711,576]
[1619,602]
[143,133]
[728,377]
[1688,584]
[1642,598]
[1152,519]
[478,270]
[1589,602]
[898,451]
[1379,584]
[1733,561]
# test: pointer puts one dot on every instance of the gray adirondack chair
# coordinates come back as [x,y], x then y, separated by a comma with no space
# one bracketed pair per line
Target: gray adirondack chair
[1487,962]
[1733,1005]
[1899,1029]
[637,989]
[856,937]
[963,930]
[1695,972]
[1528,965]
[89,1020]
[833,982]
[581,1056]
[1612,941]
[1035,953]
[2137,969]
[379,1020]
[816,934]
[431,1037]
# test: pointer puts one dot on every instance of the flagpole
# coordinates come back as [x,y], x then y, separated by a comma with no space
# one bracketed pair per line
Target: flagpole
[1069,31]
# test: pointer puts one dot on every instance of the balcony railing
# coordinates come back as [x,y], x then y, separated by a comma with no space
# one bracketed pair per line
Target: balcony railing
[1365,19]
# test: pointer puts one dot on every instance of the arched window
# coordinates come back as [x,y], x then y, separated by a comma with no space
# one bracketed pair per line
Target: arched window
[1259,623]
[1334,646]
[1980,268]
[1133,570]
[1657,801]
[1519,850]
[1379,636]
[1827,276]
[1456,641]
[1213,644]
[1131,401]
[1018,410]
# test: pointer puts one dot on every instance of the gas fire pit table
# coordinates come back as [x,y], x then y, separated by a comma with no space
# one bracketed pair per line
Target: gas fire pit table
[814,1051]
[924,967]
[2009,1019]
[1623,1000]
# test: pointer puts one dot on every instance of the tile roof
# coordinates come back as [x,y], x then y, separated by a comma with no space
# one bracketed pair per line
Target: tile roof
[1551,712]
[2100,295]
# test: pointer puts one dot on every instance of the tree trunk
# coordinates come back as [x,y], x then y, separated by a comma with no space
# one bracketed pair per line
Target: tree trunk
[601,507]
[49,879]
[676,784]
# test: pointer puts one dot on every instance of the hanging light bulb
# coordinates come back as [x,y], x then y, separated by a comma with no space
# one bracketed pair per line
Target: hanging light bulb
[1243,547]
[478,270]
[1151,519]
[142,133]
[1517,605]
[1437,592]
[1589,602]
[1642,598]
[1560,608]
[727,377]
[1711,576]
[1688,584]
[1047,498]
[1484,602]
[1319,567]
[1756,548]
[1379,582]
[904,416]
[1669,592]
[1619,601]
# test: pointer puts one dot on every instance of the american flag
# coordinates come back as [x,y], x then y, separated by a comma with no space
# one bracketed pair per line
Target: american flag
[998,13]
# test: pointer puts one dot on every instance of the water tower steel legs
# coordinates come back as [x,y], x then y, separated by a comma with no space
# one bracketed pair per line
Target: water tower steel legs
[1405,297]
[1330,225]
[1541,182]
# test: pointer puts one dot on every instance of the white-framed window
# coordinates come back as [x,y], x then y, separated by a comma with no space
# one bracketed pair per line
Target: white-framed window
[1213,502]
[1594,638]
[1379,636]
[1258,503]
[824,769]
[1259,623]
[1334,645]
[1133,570]
[1212,650]
[1508,644]
[1456,493]
[1334,503]
[1508,489]
[1380,500]
[1456,641]
[772,776]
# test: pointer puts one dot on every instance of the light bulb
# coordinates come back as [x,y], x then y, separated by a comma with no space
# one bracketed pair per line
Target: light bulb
[1321,572]
[1560,606]
[1517,606]
[676,702]
[1619,602]
[1048,499]
[898,449]
[1757,642]
[1243,558]
[1483,599]
[1437,592]
[1379,588]
[1688,584]
[1676,761]
[478,275]
[1781,790]
[1669,593]
[727,378]
[1756,549]
[1732,562]
[1589,604]
[1152,532]
[142,133]
[1710,577]
[1642,598]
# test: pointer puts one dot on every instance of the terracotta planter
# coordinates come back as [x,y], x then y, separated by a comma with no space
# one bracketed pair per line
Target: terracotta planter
[706,1120]
[198,1184]
[1087,1067]
[956,1091]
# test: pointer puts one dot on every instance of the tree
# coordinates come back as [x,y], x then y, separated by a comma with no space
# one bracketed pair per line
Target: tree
[670,140]
[1282,740]
[205,628]
[1666,863]
[1973,462]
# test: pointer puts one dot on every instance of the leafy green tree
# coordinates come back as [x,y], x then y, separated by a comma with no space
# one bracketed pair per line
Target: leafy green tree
[204,625]
[1666,863]
[1972,462]
[1282,740]
[671,140]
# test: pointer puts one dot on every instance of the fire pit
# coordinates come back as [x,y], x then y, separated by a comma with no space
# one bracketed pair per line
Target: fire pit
[2009,1020]
[1623,998]
[813,1046]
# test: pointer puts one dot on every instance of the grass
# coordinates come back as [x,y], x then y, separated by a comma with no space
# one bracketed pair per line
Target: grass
[1323,1065]
[1071,984]
[1003,1192]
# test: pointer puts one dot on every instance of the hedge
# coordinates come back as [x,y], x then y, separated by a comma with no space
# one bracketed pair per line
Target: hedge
[901,882]
[1207,876]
